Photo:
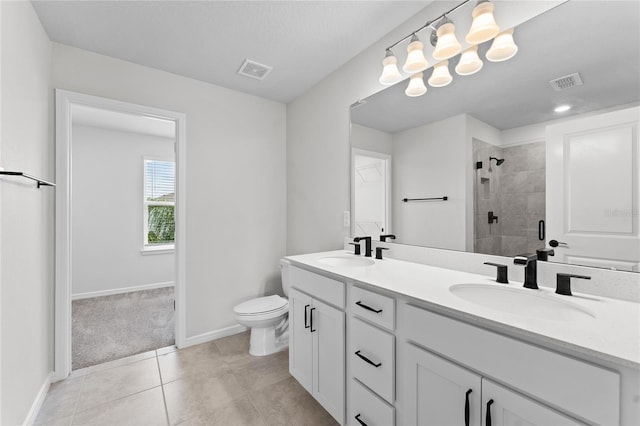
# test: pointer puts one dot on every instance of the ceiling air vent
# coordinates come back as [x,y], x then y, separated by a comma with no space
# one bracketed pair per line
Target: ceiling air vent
[254,70]
[566,82]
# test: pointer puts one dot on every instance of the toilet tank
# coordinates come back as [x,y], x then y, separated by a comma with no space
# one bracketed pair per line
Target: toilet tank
[284,273]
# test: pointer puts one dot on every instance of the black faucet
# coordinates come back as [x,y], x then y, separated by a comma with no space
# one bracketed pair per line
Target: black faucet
[543,254]
[383,238]
[356,248]
[367,245]
[530,269]
[379,252]
[502,276]
[563,283]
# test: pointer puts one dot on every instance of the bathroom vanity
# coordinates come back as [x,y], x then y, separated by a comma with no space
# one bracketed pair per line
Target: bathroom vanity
[390,342]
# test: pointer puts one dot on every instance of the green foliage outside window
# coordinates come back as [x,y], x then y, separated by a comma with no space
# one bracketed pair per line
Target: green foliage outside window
[161,225]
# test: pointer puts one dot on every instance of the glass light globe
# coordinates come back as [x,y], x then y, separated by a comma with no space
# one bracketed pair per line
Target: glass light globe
[470,62]
[447,45]
[484,25]
[416,61]
[390,73]
[416,86]
[503,47]
[440,76]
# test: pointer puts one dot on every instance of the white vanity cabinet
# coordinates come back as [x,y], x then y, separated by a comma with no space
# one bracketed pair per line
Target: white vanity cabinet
[317,338]
[439,392]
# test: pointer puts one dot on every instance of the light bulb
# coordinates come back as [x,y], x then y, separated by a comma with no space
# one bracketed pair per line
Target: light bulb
[470,62]
[484,25]
[440,76]
[447,45]
[416,61]
[416,86]
[503,47]
[390,73]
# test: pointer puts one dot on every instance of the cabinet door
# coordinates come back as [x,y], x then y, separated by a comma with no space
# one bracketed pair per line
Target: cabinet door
[504,407]
[438,392]
[328,331]
[300,339]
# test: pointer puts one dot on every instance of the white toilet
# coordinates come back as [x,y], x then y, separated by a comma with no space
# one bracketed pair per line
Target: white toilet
[268,319]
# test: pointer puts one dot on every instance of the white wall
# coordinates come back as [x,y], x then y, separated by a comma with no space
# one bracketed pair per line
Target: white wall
[107,211]
[318,133]
[236,199]
[26,213]
[428,162]
[371,139]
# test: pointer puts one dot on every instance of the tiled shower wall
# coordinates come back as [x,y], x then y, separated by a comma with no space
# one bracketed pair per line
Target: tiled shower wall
[515,192]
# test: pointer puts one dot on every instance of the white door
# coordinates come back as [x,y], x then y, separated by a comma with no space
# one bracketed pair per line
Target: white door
[328,331]
[439,392]
[504,407]
[370,182]
[300,339]
[593,190]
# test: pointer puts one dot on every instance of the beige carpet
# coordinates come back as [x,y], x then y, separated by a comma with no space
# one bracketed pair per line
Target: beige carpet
[111,327]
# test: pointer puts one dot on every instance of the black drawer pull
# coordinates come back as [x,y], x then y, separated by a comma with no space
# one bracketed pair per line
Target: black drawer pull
[311,320]
[466,408]
[306,319]
[360,421]
[368,308]
[367,360]
[488,421]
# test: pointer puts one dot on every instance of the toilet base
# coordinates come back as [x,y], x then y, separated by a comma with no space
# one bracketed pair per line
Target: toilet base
[264,342]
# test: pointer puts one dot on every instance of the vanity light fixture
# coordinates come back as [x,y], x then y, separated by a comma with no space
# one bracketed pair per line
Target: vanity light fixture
[470,62]
[390,73]
[562,108]
[444,40]
[484,25]
[416,61]
[503,47]
[416,86]
[441,76]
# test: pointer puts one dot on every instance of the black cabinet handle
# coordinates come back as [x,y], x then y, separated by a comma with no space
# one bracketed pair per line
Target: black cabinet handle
[367,360]
[360,421]
[311,319]
[306,320]
[466,408]
[488,420]
[368,308]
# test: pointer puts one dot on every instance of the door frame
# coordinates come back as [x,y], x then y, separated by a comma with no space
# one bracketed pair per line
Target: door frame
[387,187]
[64,100]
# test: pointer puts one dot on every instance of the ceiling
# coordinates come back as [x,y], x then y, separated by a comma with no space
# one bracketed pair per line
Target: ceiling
[304,41]
[567,39]
[83,115]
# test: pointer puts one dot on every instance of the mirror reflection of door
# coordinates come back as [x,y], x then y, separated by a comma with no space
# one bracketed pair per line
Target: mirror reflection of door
[371,181]
[593,202]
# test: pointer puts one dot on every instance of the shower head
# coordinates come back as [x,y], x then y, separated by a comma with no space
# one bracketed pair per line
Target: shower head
[498,160]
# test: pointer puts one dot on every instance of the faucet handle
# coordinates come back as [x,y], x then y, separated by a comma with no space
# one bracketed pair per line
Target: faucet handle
[502,272]
[524,259]
[356,247]
[383,238]
[543,254]
[563,283]
[379,252]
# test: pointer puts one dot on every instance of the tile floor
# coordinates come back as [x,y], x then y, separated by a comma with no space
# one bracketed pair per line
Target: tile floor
[215,383]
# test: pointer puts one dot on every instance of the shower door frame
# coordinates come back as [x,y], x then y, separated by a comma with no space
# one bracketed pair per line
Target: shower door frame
[62,300]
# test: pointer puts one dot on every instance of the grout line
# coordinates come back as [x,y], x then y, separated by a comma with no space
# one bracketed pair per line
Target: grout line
[75,406]
[164,398]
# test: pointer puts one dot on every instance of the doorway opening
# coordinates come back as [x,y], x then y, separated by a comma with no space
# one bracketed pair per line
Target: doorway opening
[371,180]
[119,222]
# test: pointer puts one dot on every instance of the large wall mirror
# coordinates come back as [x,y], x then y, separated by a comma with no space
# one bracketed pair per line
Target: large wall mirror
[516,174]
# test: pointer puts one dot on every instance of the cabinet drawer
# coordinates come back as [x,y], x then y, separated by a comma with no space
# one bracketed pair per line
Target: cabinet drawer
[319,286]
[365,406]
[560,381]
[372,306]
[374,363]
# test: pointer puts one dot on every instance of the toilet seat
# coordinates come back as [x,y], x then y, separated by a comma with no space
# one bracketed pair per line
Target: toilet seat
[262,306]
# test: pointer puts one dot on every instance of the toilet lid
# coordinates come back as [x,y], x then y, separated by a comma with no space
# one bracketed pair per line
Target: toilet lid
[261,305]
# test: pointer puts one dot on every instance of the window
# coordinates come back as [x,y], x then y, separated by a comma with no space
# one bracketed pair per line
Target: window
[159,204]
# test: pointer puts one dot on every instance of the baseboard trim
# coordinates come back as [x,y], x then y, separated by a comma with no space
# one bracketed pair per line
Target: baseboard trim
[88,295]
[37,402]
[213,335]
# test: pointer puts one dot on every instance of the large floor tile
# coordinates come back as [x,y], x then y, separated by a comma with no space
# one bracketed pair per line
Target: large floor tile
[118,382]
[240,412]
[255,373]
[144,408]
[60,402]
[111,364]
[197,396]
[235,347]
[288,403]
[199,360]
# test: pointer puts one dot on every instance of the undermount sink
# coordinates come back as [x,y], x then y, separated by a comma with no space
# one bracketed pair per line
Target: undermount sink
[346,261]
[524,302]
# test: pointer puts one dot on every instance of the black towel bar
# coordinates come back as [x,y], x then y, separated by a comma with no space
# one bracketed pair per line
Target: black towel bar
[445,198]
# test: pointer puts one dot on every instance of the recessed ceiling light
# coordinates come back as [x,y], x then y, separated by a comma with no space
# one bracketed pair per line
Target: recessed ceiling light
[562,108]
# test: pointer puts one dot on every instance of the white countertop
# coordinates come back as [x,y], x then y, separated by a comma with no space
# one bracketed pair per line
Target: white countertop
[613,334]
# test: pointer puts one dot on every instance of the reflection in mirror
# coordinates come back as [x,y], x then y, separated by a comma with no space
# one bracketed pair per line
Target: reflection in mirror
[520,173]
